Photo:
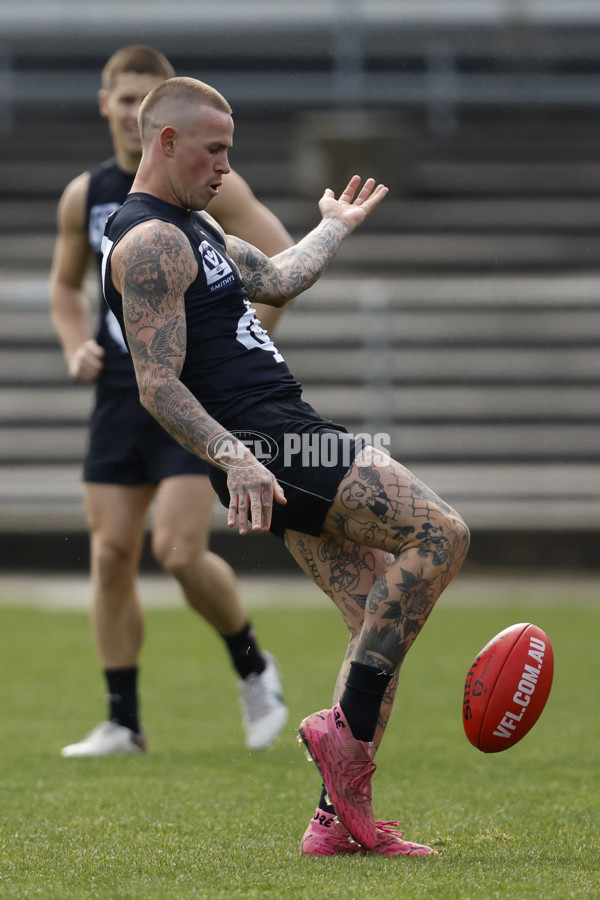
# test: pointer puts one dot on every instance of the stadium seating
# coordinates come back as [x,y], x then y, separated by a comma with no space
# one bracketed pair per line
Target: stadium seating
[463,319]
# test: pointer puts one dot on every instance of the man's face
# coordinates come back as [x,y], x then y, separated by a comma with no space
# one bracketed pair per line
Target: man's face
[146,278]
[200,157]
[121,106]
[146,274]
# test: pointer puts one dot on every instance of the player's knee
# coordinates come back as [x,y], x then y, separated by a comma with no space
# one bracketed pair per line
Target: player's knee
[112,562]
[459,538]
[444,541]
[175,555]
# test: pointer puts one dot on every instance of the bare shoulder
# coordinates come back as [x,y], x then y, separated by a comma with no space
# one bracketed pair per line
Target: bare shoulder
[72,204]
[158,249]
[156,236]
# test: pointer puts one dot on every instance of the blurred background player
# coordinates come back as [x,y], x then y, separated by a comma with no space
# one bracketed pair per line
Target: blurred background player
[131,461]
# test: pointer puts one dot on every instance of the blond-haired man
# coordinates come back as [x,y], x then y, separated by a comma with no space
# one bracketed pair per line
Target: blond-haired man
[182,290]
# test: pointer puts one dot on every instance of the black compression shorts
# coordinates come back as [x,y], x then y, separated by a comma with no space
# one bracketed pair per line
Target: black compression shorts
[308,455]
[128,446]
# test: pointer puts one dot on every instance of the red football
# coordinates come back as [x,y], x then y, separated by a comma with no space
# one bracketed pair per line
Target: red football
[507,687]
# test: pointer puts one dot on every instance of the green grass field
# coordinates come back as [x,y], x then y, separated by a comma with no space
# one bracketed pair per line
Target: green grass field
[199,816]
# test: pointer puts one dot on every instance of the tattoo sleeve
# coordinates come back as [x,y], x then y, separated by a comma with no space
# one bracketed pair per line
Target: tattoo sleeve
[276,280]
[156,265]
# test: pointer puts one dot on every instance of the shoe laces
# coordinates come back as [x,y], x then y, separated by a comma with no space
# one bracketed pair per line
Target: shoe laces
[393,828]
[359,774]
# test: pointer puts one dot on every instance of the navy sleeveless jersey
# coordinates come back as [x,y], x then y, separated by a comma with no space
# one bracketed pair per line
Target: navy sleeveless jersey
[108,188]
[231,363]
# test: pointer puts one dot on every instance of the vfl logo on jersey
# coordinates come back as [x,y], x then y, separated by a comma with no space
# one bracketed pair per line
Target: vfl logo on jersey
[216,268]
[98,216]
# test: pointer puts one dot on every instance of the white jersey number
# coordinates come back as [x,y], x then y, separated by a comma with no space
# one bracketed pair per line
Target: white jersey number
[252,335]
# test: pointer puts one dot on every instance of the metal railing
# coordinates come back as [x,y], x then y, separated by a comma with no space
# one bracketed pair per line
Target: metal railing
[436,55]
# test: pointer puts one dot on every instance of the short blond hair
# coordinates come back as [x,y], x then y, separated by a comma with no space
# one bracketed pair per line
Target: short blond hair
[139,59]
[175,93]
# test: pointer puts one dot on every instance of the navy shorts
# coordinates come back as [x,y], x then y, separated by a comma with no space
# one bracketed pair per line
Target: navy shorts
[308,455]
[128,446]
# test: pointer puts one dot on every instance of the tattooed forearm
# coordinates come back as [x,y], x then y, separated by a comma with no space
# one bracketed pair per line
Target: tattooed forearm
[293,271]
[178,411]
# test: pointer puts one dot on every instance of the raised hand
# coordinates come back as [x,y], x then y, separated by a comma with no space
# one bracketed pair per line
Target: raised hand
[353,207]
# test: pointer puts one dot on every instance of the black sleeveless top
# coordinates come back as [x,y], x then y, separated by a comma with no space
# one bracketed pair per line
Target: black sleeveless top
[231,362]
[108,188]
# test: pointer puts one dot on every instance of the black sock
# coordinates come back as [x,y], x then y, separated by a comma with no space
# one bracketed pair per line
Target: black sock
[122,697]
[324,803]
[362,697]
[244,651]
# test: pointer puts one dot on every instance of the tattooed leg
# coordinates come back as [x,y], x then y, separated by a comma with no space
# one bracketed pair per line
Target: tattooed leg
[345,572]
[381,505]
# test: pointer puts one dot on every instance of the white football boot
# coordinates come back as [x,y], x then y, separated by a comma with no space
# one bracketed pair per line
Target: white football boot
[264,712]
[107,739]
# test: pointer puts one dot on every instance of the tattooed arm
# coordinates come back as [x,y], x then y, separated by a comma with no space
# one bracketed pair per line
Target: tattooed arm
[275,281]
[152,266]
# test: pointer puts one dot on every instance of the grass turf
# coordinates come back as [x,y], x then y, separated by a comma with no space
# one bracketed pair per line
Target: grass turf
[200,817]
